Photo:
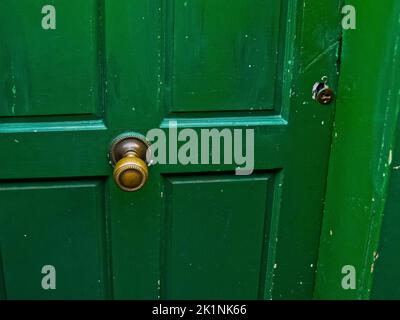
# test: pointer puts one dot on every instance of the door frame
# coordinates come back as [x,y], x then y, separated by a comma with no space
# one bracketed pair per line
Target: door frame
[367,113]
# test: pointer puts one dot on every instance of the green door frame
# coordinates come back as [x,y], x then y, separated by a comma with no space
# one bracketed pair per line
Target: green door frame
[361,159]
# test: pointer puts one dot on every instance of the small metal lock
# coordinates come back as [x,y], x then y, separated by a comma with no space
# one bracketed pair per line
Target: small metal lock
[322,93]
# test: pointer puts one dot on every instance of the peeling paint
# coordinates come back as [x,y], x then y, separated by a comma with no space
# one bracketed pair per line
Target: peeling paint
[375,257]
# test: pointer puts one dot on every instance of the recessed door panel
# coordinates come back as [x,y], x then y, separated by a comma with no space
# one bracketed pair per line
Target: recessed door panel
[48,72]
[215,230]
[56,224]
[224,54]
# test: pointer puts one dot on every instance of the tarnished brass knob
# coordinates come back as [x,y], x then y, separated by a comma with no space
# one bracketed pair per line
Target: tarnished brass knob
[131,173]
[128,154]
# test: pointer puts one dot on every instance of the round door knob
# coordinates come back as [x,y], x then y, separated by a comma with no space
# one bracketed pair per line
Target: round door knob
[128,155]
[131,173]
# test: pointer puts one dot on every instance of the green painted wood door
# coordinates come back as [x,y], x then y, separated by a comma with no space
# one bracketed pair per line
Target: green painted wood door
[193,231]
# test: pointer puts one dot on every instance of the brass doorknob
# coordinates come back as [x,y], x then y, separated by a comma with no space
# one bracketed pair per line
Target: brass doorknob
[128,155]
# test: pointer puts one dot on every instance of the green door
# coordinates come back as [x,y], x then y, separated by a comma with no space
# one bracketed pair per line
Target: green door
[76,74]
